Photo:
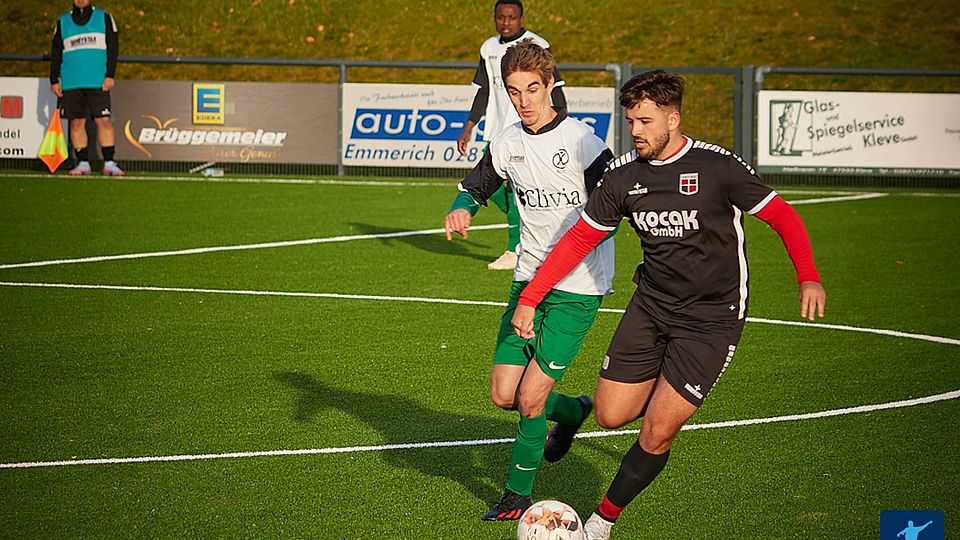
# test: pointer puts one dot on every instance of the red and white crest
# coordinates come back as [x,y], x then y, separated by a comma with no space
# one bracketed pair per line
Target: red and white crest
[689,183]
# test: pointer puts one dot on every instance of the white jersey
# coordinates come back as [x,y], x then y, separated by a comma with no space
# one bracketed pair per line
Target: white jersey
[500,112]
[552,172]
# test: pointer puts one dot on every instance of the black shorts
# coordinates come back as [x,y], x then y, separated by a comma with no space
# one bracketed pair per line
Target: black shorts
[691,355]
[84,102]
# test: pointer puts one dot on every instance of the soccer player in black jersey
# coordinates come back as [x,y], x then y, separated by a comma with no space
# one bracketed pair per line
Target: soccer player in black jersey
[685,199]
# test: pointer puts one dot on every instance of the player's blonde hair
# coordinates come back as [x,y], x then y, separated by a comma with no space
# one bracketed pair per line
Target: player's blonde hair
[530,57]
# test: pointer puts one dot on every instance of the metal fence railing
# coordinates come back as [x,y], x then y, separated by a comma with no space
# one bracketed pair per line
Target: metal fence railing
[719,104]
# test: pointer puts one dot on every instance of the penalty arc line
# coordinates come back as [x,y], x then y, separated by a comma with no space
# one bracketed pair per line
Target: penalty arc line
[454,301]
[476,442]
[241,247]
[310,241]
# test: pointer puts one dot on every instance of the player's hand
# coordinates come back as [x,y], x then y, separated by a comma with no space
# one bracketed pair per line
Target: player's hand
[56,89]
[523,321]
[812,300]
[108,84]
[464,139]
[457,221]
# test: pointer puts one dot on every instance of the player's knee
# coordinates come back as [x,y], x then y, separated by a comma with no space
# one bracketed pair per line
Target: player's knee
[656,439]
[610,419]
[531,407]
[503,400]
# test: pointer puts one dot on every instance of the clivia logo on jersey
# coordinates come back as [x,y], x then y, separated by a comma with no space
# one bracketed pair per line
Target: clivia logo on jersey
[408,124]
[670,223]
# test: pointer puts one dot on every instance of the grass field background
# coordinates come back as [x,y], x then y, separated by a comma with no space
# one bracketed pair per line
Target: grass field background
[105,373]
[906,34]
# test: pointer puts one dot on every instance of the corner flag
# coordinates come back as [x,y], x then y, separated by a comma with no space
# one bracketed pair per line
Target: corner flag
[53,149]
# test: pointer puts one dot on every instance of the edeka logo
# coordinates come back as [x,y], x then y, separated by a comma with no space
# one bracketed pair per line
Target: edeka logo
[208,104]
[911,525]
[408,124]
[600,122]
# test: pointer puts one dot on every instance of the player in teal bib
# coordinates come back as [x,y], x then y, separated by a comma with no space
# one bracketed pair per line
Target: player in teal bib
[83,62]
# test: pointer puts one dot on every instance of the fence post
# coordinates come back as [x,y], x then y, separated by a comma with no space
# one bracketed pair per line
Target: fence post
[343,80]
[624,139]
[748,100]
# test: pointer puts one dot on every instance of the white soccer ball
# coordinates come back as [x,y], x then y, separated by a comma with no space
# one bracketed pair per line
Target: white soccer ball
[550,520]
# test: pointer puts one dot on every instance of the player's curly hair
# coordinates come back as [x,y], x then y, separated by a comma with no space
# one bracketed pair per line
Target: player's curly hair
[664,89]
[530,57]
[517,3]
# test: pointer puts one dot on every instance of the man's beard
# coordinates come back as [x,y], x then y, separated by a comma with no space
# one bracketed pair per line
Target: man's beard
[655,147]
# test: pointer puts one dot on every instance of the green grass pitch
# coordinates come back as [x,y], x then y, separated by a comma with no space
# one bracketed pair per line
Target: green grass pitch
[245,356]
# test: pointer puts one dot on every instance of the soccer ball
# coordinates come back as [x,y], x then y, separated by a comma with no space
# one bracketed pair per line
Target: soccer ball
[550,520]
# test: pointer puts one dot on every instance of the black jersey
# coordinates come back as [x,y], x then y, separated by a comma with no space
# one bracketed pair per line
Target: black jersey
[688,211]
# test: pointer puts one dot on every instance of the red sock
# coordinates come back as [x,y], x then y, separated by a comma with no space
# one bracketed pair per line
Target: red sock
[609,511]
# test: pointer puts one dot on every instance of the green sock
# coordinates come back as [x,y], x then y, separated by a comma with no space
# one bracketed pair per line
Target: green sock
[563,409]
[527,453]
[513,222]
[503,198]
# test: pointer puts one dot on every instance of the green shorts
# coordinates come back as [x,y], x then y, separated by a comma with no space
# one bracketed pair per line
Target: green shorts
[561,323]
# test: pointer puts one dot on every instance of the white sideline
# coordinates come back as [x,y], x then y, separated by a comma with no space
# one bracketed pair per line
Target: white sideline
[371,183]
[240,247]
[427,300]
[308,241]
[477,442]
[244,180]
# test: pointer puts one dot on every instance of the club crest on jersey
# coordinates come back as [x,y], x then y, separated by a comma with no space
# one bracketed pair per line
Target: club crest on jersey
[689,183]
[561,158]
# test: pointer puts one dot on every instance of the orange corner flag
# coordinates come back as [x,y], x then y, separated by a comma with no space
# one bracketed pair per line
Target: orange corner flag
[53,149]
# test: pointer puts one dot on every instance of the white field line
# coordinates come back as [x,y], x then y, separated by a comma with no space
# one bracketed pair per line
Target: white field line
[860,197]
[427,300]
[379,183]
[243,180]
[309,241]
[240,247]
[476,442]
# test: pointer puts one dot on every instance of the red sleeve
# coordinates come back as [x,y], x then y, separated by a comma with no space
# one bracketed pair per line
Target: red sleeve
[569,251]
[784,219]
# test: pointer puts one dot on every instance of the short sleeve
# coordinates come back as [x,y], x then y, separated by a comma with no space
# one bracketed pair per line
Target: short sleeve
[605,208]
[746,190]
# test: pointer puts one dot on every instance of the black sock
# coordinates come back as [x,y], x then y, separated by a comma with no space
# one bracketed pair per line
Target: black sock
[637,471]
[107,152]
[82,154]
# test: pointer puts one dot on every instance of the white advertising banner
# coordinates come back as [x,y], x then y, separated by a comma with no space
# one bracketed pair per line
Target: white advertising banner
[26,104]
[417,125]
[858,133]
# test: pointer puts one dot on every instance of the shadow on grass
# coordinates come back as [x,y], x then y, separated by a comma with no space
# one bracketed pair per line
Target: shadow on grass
[479,469]
[437,243]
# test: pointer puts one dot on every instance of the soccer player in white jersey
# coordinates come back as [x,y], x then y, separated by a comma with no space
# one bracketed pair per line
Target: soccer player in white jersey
[554,162]
[492,100]
[686,200]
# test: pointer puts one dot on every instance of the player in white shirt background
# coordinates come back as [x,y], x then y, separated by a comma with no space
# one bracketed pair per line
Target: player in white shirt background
[492,103]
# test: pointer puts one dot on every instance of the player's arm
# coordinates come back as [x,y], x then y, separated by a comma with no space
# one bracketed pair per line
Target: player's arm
[594,172]
[783,219]
[56,59]
[477,108]
[113,51]
[478,186]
